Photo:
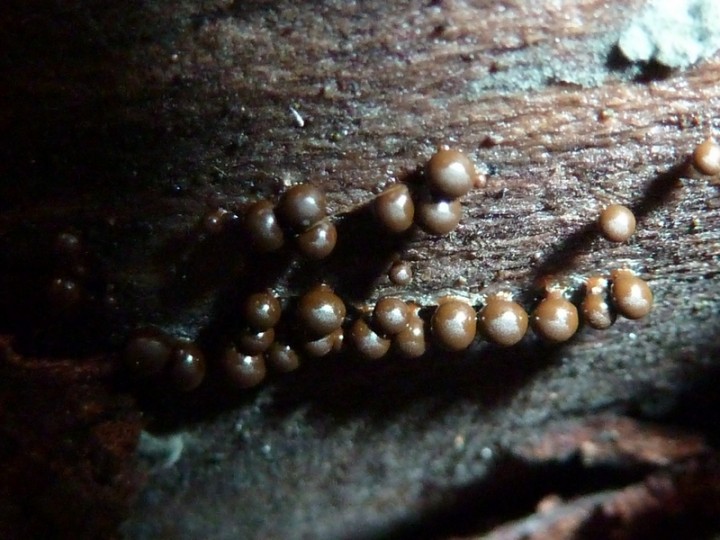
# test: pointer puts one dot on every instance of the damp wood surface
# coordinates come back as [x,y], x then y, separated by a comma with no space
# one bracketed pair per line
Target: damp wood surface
[132,123]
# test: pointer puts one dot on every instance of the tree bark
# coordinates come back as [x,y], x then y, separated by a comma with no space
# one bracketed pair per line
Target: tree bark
[131,122]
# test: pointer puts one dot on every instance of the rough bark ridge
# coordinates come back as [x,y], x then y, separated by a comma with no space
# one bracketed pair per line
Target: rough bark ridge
[130,122]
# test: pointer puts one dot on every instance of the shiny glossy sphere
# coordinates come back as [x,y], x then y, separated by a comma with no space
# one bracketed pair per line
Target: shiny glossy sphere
[263,228]
[706,157]
[147,352]
[617,223]
[596,285]
[390,315]
[325,345]
[631,295]
[67,245]
[261,310]
[454,324]
[321,311]
[302,206]
[503,321]
[400,273]
[187,366]
[410,342]
[242,370]
[64,294]
[282,358]
[251,342]
[439,217]
[368,343]
[214,222]
[450,173]
[555,319]
[395,209]
[597,312]
[319,240]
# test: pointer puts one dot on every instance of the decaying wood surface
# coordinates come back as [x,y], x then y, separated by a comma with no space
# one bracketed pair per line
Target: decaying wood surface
[130,122]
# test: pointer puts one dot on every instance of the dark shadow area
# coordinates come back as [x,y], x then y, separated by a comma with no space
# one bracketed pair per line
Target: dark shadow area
[80,145]
[564,255]
[657,192]
[67,103]
[342,387]
[55,305]
[363,253]
[222,265]
[693,404]
[349,388]
[509,491]
[642,72]
[94,143]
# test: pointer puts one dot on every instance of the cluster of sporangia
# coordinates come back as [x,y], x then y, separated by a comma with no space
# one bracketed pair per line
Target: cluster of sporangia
[318,321]
[76,284]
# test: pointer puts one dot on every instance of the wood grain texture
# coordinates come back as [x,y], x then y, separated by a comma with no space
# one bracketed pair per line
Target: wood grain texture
[130,124]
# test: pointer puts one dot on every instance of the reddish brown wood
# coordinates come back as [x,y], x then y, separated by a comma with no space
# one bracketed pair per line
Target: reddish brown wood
[131,123]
